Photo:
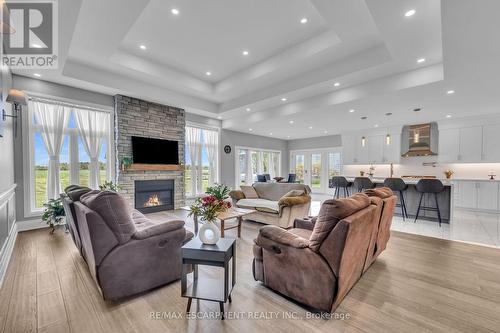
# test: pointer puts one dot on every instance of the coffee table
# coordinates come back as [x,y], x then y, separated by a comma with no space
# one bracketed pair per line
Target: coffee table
[196,253]
[232,213]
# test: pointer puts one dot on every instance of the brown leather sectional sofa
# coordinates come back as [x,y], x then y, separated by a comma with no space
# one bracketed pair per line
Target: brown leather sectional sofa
[318,262]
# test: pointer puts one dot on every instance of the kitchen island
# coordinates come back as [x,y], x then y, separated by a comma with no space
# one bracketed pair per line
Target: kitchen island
[412,197]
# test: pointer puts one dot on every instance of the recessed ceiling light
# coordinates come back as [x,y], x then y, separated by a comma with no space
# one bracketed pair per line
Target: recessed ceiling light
[351,110]
[376,125]
[421,60]
[288,136]
[364,118]
[291,121]
[336,84]
[175,11]
[271,133]
[448,116]
[142,47]
[37,75]
[283,99]
[411,12]
[245,53]
[37,46]
[208,73]
[388,113]
[325,132]
[310,127]
[248,109]
[449,92]
[250,129]
[219,117]
[303,20]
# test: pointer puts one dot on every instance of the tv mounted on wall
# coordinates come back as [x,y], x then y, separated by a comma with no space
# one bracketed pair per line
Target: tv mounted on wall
[154,151]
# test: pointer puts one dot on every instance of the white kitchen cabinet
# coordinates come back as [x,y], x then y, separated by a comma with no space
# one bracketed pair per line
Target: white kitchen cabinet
[375,145]
[376,150]
[491,149]
[392,149]
[467,196]
[471,141]
[487,195]
[449,145]
[478,195]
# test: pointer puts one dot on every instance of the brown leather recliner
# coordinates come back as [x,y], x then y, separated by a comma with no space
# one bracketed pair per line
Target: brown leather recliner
[318,267]
[125,251]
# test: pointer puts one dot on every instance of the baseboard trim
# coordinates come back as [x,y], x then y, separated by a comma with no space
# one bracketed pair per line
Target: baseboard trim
[30,225]
[6,252]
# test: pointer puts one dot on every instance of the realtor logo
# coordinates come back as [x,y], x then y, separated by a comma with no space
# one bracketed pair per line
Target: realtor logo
[29,34]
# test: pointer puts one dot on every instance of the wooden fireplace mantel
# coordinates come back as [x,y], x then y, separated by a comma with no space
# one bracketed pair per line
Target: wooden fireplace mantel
[154,167]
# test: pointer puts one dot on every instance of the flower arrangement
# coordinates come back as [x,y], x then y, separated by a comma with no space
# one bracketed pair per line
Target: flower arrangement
[219,191]
[448,173]
[208,207]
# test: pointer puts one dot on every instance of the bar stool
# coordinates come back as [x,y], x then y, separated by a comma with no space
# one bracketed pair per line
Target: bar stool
[430,186]
[338,183]
[398,185]
[363,183]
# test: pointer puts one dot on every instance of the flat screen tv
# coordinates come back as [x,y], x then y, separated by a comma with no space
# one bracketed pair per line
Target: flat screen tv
[154,151]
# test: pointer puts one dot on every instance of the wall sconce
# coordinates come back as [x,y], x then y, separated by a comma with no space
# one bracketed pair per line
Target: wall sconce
[363,142]
[17,98]
[388,139]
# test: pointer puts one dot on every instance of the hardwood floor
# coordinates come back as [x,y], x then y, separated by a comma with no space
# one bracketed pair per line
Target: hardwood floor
[418,284]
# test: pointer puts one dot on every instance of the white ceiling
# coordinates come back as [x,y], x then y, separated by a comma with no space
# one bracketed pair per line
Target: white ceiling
[368,46]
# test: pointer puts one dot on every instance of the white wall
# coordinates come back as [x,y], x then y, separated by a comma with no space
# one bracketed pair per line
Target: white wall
[7,141]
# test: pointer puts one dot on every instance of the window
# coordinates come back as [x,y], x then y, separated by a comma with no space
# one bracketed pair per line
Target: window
[54,123]
[251,162]
[201,159]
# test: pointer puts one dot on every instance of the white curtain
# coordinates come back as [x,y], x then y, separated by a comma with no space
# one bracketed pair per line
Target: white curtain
[212,144]
[53,120]
[93,127]
[193,140]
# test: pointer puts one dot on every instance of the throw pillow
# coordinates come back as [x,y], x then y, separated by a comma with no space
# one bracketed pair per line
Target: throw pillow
[249,192]
[294,193]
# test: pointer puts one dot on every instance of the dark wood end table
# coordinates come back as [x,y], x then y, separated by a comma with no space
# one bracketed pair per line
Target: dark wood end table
[196,253]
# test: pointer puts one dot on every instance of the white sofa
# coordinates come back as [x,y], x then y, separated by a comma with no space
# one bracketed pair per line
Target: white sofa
[276,203]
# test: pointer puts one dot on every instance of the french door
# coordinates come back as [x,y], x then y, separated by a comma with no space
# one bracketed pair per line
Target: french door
[316,167]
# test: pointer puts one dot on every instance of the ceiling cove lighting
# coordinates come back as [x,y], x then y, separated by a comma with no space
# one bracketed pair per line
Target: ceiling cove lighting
[410,13]
[336,84]
[174,11]
[450,92]
[303,20]
[37,75]
[142,47]
[421,60]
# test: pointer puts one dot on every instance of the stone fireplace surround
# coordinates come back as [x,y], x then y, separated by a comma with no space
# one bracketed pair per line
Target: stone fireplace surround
[135,117]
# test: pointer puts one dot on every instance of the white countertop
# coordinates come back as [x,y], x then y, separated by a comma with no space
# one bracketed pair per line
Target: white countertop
[445,181]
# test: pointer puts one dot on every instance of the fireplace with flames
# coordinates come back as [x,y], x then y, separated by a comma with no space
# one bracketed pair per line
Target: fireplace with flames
[154,195]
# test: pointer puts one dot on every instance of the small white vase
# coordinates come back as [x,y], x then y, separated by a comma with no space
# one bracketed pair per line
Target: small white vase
[209,233]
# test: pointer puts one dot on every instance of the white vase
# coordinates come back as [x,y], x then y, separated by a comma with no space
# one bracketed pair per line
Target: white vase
[209,233]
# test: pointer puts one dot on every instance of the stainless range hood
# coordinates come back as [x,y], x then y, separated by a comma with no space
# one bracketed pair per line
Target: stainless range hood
[419,140]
